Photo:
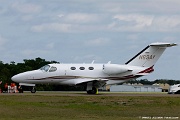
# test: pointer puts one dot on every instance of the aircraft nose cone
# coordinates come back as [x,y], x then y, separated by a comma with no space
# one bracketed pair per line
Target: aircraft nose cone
[18,78]
[15,78]
[22,77]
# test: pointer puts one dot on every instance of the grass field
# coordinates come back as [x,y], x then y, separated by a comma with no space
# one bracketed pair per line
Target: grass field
[54,106]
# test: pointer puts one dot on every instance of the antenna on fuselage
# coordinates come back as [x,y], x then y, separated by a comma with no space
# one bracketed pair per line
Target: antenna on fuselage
[92,62]
[109,62]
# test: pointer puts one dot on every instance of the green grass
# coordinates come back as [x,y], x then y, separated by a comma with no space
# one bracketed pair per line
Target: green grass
[56,107]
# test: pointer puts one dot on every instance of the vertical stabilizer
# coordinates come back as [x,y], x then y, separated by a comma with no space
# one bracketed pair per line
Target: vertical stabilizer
[149,55]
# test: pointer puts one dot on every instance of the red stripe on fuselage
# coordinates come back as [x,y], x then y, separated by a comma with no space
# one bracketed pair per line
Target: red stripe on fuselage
[148,70]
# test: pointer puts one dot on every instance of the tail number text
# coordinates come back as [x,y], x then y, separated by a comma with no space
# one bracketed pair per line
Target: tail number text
[146,57]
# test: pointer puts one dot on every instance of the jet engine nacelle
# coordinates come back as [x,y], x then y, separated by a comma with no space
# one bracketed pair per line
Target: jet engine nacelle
[113,69]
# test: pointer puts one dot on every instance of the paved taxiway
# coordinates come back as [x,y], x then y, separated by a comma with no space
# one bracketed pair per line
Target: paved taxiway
[75,93]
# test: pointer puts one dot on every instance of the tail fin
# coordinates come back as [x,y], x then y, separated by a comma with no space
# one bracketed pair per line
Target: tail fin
[149,55]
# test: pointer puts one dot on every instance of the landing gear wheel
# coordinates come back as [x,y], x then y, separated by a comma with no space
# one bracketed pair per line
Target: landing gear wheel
[178,92]
[33,90]
[89,91]
[93,91]
[20,89]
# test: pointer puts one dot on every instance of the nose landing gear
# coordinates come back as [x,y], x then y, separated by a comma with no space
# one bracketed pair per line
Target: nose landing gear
[33,90]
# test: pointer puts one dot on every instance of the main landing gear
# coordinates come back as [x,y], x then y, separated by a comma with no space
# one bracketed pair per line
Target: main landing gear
[91,89]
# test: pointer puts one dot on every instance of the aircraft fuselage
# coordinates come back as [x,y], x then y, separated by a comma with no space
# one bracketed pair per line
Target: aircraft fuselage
[72,74]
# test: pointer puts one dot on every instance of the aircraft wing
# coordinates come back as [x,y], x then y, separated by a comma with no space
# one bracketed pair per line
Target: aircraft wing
[86,80]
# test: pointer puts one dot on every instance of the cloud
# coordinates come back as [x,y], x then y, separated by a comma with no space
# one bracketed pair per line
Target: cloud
[120,23]
[156,6]
[140,20]
[2,41]
[145,23]
[86,58]
[140,6]
[69,23]
[111,7]
[66,28]
[27,17]
[81,17]
[56,27]
[97,42]
[2,10]
[26,7]
[133,37]
[34,53]
[131,22]
[60,15]
[170,39]
[50,46]
[167,23]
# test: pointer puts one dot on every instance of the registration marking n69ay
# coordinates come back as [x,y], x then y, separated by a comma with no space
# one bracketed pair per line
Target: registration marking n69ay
[147,57]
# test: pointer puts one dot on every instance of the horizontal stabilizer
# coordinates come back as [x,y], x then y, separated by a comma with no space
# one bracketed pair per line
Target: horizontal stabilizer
[163,44]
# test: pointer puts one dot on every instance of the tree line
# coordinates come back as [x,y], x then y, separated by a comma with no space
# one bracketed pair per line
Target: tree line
[7,70]
[158,81]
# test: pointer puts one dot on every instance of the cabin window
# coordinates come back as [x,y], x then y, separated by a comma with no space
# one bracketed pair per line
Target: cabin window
[82,68]
[52,69]
[45,68]
[91,68]
[73,68]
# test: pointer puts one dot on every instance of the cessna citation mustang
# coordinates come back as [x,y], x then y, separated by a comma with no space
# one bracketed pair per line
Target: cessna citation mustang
[95,75]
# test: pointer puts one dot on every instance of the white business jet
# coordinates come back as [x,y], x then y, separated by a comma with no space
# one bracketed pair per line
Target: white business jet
[95,75]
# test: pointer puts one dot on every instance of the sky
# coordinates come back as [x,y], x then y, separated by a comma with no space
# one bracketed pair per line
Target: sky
[80,31]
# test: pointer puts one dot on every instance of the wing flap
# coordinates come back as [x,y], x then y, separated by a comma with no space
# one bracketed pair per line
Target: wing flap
[73,82]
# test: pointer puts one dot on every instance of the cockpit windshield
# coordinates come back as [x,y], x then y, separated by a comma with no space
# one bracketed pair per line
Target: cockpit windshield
[49,68]
[45,68]
[52,69]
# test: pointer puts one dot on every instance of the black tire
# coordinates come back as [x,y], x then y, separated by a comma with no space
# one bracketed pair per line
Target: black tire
[33,90]
[93,91]
[178,92]
[20,90]
[89,92]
